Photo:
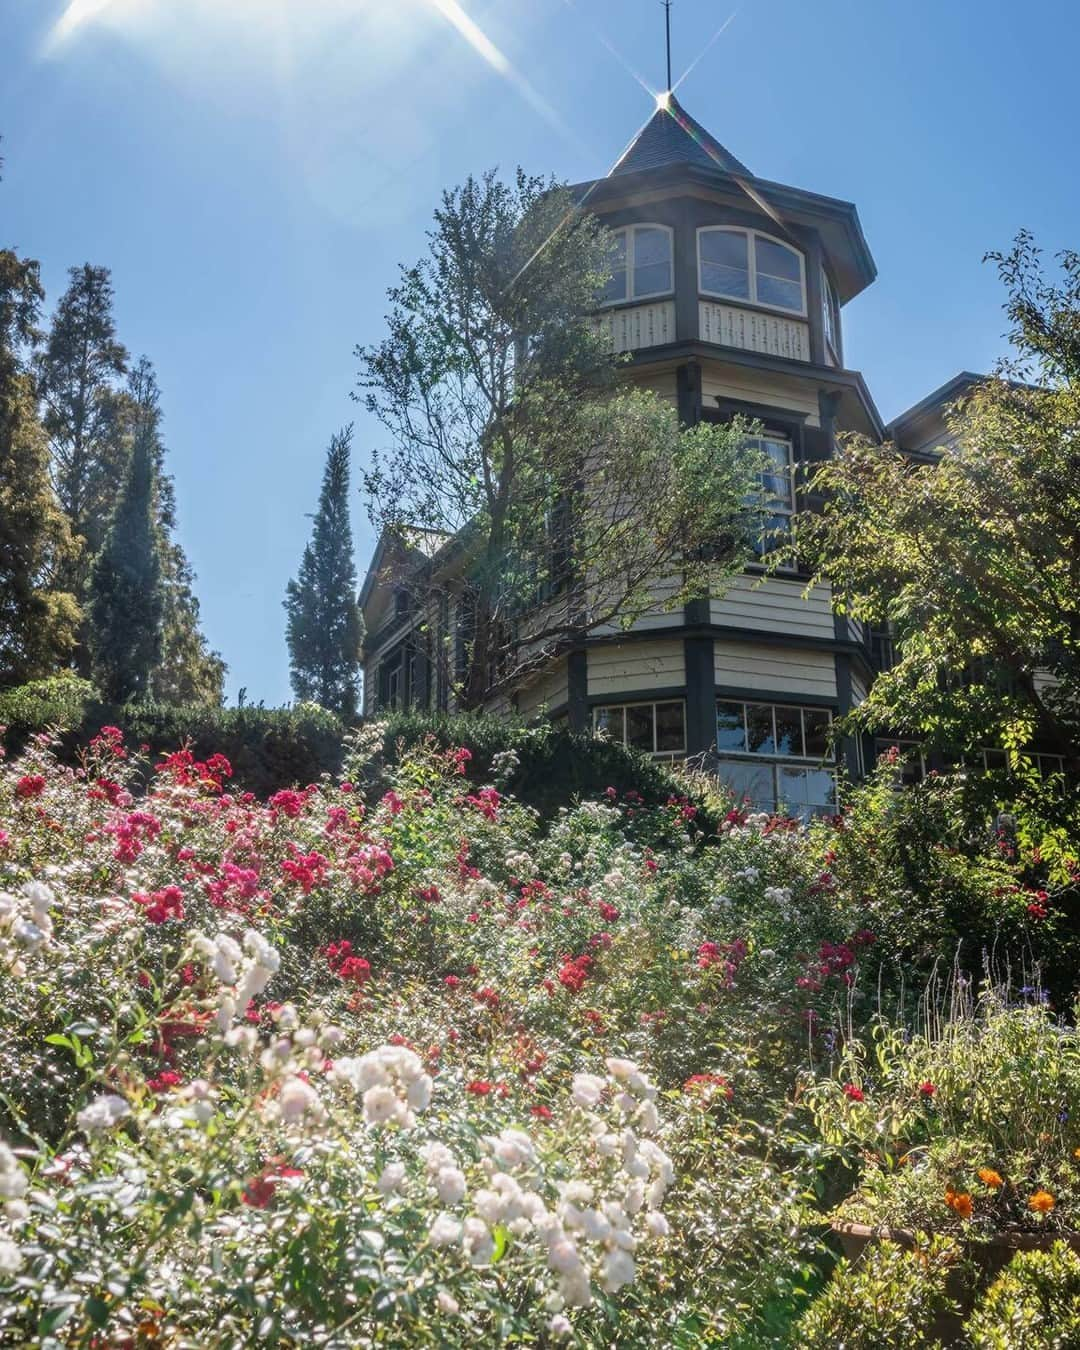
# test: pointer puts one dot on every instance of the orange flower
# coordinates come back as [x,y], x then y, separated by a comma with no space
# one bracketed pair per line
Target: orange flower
[990,1178]
[1042,1202]
[1076,1152]
[959,1202]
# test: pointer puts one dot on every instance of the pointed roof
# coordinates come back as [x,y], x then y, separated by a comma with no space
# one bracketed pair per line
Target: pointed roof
[672,136]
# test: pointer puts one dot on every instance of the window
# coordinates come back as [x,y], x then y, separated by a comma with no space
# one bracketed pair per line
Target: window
[912,768]
[640,264]
[746,265]
[775,756]
[657,728]
[777,500]
[830,316]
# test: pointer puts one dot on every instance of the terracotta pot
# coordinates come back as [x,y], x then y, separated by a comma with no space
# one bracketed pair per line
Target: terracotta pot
[988,1254]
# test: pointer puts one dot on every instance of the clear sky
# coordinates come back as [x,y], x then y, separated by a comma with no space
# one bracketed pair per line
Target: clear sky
[254,170]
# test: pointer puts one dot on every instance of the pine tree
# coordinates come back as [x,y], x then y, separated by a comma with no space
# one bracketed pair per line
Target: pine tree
[324,629]
[83,414]
[37,621]
[127,600]
[189,672]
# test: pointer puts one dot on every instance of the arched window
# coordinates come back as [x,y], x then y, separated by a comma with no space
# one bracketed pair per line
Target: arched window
[747,265]
[640,264]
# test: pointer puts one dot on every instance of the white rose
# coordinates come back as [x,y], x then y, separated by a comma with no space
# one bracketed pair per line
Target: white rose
[393,1174]
[11,1257]
[445,1230]
[450,1185]
[618,1270]
[479,1244]
[102,1113]
[586,1089]
[380,1105]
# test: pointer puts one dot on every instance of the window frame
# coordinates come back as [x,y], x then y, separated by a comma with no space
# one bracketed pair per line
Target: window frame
[751,261]
[788,512]
[776,762]
[830,318]
[624,705]
[630,298]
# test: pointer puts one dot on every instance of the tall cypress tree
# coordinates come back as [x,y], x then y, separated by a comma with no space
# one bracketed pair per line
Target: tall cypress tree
[189,672]
[83,412]
[127,600]
[37,620]
[324,628]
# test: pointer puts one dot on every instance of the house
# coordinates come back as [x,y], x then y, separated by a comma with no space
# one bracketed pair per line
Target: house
[728,291]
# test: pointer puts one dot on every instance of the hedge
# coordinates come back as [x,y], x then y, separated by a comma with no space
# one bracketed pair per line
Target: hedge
[271,748]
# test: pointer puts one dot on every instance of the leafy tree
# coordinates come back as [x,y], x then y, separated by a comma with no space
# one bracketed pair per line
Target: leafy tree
[324,628]
[127,601]
[84,416]
[567,493]
[974,557]
[189,672]
[37,619]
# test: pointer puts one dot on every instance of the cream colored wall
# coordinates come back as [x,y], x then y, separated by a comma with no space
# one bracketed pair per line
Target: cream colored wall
[858,690]
[758,386]
[774,670]
[635,667]
[549,689]
[775,605]
[662,614]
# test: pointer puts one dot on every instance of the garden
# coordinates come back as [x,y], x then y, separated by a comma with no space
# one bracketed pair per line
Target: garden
[398,1058]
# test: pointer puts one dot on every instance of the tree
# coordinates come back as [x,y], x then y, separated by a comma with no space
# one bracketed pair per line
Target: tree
[127,601]
[324,628]
[37,619]
[188,672]
[83,414]
[974,558]
[566,493]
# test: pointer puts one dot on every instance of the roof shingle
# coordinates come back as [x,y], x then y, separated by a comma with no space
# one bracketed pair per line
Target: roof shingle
[672,136]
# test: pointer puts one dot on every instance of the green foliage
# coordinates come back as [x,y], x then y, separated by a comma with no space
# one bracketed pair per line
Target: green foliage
[972,1126]
[973,556]
[324,627]
[890,1297]
[269,748]
[550,765]
[83,413]
[126,595]
[37,619]
[567,499]
[1035,1301]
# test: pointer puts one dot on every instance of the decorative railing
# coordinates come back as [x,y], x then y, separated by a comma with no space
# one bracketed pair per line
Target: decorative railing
[638,326]
[754,331]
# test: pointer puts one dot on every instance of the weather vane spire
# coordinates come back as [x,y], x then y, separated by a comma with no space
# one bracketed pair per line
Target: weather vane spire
[667,35]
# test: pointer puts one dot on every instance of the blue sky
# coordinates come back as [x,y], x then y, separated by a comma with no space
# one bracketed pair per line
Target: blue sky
[254,170]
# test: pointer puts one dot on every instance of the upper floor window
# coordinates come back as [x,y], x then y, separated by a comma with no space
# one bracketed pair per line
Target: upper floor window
[640,264]
[777,499]
[745,265]
[830,315]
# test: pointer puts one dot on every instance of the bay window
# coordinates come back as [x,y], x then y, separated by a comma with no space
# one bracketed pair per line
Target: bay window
[747,265]
[830,316]
[658,729]
[776,756]
[640,264]
[777,498]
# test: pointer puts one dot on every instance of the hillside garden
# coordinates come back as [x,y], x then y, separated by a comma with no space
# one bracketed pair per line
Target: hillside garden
[396,1059]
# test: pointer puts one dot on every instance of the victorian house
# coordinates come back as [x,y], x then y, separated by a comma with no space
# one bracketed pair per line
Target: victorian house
[728,291]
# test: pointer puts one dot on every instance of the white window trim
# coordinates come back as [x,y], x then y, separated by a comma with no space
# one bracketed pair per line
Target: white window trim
[628,230]
[751,260]
[652,703]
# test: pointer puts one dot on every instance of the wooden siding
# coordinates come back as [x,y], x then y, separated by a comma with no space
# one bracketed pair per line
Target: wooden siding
[637,326]
[753,330]
[755,386]
[858,690]
[548,689]
[660,615]
[774,606]
[774,670]
[635,667]
[661,382]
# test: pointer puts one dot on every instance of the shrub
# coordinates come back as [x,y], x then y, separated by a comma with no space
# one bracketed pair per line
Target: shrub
[972,1127]
[1035,1301]
[553,764]
[889,1297]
